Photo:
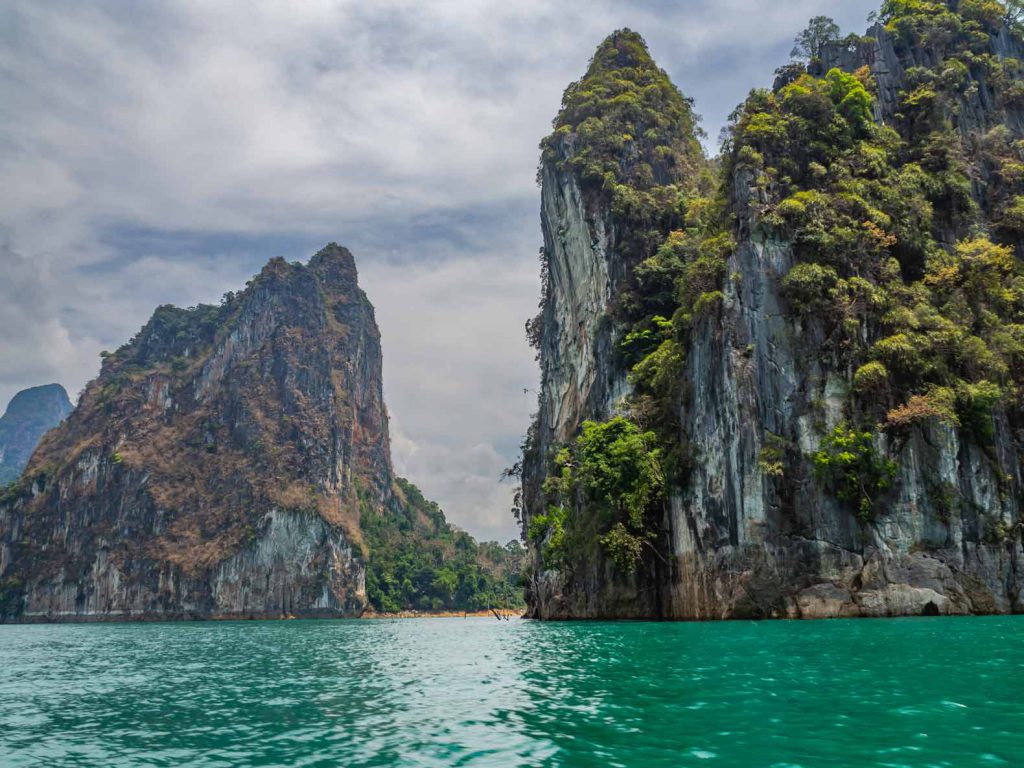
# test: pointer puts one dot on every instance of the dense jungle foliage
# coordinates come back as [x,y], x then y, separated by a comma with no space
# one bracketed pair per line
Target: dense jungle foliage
[418,561]
[918,280]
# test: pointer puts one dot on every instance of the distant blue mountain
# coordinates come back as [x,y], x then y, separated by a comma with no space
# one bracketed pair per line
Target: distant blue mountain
[30,415]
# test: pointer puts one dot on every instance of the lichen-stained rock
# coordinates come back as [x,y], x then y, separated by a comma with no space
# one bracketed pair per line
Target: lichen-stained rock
[216,467]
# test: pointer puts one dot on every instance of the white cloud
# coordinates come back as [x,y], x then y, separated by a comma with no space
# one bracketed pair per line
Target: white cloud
[455,371]
[160,153]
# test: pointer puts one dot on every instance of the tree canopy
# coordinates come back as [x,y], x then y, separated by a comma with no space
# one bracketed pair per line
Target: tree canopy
[808,44]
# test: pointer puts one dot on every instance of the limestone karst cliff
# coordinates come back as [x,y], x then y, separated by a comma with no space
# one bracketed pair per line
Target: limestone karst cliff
[786,382]
[234,460]
[30,414]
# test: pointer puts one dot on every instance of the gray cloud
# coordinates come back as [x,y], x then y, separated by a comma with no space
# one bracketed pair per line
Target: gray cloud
[35,345]
[161,153]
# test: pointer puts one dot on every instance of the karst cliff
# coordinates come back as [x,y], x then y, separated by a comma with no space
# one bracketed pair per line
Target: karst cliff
[786,382]
[234,461]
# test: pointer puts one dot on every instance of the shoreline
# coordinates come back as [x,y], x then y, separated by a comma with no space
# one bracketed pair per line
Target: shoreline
[110,618]
[505,613]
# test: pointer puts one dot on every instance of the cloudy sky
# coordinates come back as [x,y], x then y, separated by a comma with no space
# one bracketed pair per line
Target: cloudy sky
[161,153]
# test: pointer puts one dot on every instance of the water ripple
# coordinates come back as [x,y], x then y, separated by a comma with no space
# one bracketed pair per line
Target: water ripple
[476,692]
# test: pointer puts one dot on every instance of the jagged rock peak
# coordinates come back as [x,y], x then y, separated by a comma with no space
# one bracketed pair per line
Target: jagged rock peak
[222,461]
[234,461]
[623,153]
[335,262]
[821,451]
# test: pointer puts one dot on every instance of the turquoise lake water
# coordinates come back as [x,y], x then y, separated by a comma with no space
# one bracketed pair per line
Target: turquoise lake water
[478,692]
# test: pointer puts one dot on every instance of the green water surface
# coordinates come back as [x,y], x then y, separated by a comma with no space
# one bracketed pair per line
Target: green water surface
[478,692]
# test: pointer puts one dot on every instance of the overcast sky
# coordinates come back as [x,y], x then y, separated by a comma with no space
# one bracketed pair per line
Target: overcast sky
[161,153]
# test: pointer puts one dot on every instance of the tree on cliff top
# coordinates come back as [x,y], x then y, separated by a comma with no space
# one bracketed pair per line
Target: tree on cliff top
[820,31]
[1014,13]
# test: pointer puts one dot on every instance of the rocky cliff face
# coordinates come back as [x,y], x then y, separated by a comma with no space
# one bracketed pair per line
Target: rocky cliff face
[218,466]
[584,274]
[895,60]
[752,526]
[593,240]
[748,544]
[30,414]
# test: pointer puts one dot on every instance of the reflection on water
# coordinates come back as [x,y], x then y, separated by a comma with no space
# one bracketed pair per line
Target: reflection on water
[438,692]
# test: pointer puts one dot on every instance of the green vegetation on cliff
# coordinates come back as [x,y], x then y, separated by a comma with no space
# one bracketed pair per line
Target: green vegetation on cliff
[918,284]
[609,488]
[902,212]
[626,129]
[418,561]
[850,463]
[631,139]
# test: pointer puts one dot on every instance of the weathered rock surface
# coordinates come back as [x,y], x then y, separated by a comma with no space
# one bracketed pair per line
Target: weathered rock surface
[216,467]
[744,543]
[30,415]
[747,545]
